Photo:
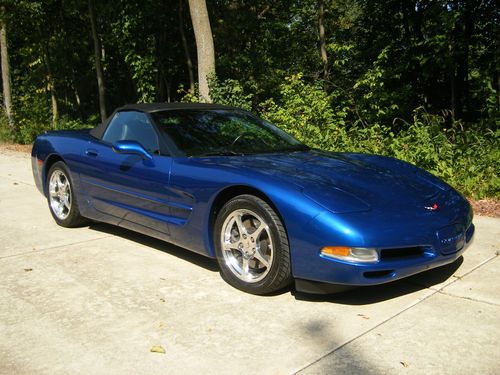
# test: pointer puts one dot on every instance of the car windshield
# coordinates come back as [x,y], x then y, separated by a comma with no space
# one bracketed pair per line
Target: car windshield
[223,132]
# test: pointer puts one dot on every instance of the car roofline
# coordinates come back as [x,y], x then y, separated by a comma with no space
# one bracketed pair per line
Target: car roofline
[149,108]
[158,107]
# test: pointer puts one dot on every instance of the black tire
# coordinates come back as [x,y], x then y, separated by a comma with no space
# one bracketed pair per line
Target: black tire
[272,244]
[71,216]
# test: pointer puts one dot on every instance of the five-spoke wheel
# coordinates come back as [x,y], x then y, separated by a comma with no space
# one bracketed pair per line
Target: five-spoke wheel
[60,194]
[247,245]
[252,246]
[61,198]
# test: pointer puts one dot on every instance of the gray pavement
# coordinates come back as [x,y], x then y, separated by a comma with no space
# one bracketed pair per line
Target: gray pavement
[95,300]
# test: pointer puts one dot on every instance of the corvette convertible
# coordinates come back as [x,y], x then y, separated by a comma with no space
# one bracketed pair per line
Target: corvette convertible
[226,184]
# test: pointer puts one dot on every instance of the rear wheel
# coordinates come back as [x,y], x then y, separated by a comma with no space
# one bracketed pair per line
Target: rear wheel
[252,246]
[61,198]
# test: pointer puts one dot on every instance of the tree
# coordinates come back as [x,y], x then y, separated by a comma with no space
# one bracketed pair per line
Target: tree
[7,95]
[189,63]
[204,45]
[98,63]
[381,59]
[51,85]
[322,38]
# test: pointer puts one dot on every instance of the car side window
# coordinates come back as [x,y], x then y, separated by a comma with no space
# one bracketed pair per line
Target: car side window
[132,126]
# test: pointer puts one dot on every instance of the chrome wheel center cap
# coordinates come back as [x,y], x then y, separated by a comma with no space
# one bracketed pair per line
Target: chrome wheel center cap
[249,253]
[247,248]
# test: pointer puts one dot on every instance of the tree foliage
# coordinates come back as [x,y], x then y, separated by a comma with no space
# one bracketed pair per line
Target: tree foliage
[416,80]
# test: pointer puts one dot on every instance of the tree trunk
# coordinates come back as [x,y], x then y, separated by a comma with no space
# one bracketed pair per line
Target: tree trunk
[322,38]
[160,41]
[189,63]
[169,91]
[461,41]
[98,64]
[7,95]
[76,93]
[452,74]
[468,30]
[75,90]
[55,106]
[453,93]
[51,86]
[496,85]
[204,46]
[160,89]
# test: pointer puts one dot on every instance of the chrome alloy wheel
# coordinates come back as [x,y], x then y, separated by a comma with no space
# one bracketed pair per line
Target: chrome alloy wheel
[60,194]
[247,245]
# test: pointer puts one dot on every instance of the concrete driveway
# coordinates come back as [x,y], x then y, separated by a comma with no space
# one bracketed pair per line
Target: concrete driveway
[96,300]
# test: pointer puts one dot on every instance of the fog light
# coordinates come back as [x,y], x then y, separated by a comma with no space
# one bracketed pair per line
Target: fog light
[351,254]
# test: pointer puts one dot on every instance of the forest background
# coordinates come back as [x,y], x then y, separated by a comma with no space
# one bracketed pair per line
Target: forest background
[417,80]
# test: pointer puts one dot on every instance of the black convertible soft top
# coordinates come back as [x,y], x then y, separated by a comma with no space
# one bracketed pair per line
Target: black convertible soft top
[98,131]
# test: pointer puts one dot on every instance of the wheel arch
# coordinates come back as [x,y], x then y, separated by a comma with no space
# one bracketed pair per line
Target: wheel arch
[49,162]
[225,196]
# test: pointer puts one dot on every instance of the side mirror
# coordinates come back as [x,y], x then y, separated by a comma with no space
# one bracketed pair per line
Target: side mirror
[131,148]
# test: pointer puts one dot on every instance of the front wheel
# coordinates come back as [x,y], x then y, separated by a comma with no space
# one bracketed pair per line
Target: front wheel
[252,246]
[61,197]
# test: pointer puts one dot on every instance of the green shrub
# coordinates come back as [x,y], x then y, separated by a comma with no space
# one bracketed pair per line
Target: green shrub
[28,130]
[227,92]
[6,135]
[464,156]
[305,111]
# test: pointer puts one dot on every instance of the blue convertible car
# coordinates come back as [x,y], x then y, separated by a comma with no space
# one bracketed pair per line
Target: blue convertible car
[223,183]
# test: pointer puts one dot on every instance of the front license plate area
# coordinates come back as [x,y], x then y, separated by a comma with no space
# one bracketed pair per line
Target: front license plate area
[451,239]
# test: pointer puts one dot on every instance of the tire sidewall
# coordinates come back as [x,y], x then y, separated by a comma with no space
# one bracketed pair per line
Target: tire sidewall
[74,214]
[251,203]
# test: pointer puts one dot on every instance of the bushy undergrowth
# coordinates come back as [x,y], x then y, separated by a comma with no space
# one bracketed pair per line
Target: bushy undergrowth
[5,132]
[27,129]
[465,155]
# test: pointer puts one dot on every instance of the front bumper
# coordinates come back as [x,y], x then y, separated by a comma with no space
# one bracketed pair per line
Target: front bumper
[362,274]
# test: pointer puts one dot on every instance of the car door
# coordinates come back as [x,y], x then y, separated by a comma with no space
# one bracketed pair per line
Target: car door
[127,187]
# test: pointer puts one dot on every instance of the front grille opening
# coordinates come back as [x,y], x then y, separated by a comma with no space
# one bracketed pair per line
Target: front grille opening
[378,274]
[402,253]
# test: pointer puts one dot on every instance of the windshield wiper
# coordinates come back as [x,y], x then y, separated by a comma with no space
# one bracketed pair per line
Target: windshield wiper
[298,148]
[220,153]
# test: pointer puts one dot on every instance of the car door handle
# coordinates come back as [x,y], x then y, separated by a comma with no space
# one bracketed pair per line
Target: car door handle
[91,152]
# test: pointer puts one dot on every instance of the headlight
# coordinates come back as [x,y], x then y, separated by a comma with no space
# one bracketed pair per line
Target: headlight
[351,254]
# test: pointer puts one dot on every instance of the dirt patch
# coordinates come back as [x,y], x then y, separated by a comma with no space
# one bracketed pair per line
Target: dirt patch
[16,147]
[484,207]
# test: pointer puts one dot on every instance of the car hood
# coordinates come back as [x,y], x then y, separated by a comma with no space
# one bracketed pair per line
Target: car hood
[347,182]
